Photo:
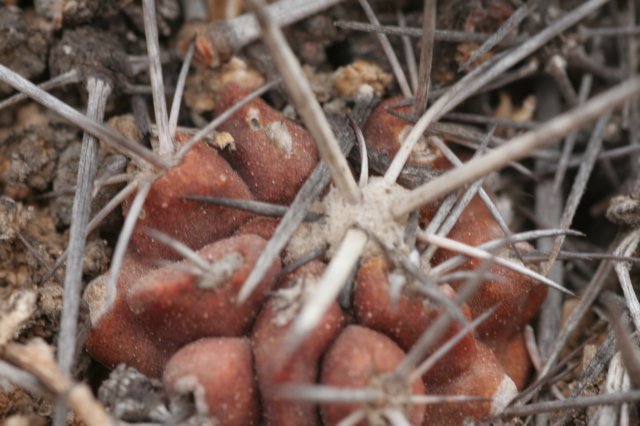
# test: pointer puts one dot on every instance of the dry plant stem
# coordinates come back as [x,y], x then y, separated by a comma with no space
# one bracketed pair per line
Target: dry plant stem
[326,291]
[519,147]
[88,125]
[629,31]
[177,95]
[409,54]
[557,68]
[595,368]
[527,70]
[627,345]
[439,35]
[483,119]
[548,207]
[426,56]
[123,241]
[478,253]
[69,77]
[456,261]
[21,378]
[628,248]
[568,404]
[579,185]
[36,358]
[233,34]
[616,381]
[327,394]
[476,79]
[306,103]
[570,141]
[388,51]
[99,91]
[512,22]
[588,297]
[165,147]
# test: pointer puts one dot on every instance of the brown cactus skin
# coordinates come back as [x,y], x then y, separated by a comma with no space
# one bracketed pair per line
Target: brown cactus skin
[173,306]
[269,335]
[202,172]
[514,357]
[484,378]
[219,372]
[408,320]
[118,337]
[519,297]
[273,154]
[384,133]
[262,226]
[356,359]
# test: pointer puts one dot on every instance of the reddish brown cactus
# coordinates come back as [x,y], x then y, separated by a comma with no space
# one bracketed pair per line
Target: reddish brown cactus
[219,374]
[273,154]
[202,172]
[178,306]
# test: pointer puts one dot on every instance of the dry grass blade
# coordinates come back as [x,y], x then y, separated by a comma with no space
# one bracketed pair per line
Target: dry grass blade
[580,183]
[512,22]
[177,95]
[568,404]
[409,54]
[617,381]
[589,295]
[518,148]
[165,147]
[627,345]
[388,51]
[455,261]
[327,394]
[426,56]
[479,77]
[69,77]
[476,252]
[99,91]
[438,35]
[306,103]
[570,141]
[627,248]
